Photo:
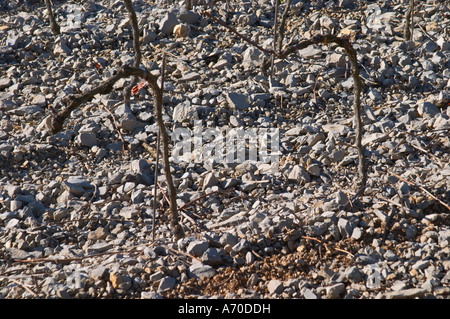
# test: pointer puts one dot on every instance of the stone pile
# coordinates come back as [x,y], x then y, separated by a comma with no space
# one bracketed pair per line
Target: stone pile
[76,210]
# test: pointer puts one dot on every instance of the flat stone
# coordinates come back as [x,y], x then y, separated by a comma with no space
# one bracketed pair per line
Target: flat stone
[427,109]
[78,186]
[275,286]
[87,139]
[168,23]
[309,294]
[252,57]
[335,291]
[185,112]
[210,180]
[212,257]
[298,175]
[188,16]
[166,283]
[197,247]
[405,294]
[5,83]
[199,270]
[99,247]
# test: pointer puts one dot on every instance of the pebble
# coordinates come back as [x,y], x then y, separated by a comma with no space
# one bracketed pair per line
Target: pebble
[237,101]
[275,286]
[197,248]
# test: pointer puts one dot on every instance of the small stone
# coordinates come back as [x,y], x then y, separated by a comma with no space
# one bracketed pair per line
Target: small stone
[314,169]
[98,234]
[228,239]
[166,283]
[156,276]
[421,264]
[275,286]
[185,112]
[212,257]
[5,83]
[15,205]
[77,186]
[252,57]
[398,285]
[61,48]
[341,198]
[298,175]
[237,101]
[210,181]
[345,227]
[353,274]
[327,22]
[335,291]
[99,247]
[428,110]
[120,281]
[357,233]
[98,272]
[181,31]
[309,294]
[168,23]
[197,247]
[406,294]
[199,270]
[87,139]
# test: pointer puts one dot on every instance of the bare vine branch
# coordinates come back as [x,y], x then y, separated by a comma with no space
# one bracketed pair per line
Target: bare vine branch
[53,24]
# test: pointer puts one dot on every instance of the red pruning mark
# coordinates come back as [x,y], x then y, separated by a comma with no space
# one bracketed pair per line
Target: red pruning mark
[139,86]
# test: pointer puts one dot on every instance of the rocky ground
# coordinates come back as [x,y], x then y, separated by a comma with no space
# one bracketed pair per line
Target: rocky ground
[76,210]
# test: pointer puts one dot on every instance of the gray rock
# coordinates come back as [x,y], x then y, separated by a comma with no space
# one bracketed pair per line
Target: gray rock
[327,22]
[427,110]
[252,57]
[99,247]
[353,274]
[166,283]
[212,257]
[148,37]
[78,186]
[5,83]
[61,48]
[156,276]
[405,294]
[241,246]
[189,77]
[335,291]
[309,294]
[98,273]
[341,198]
[421,264]
[167,23]
[185,112]
[197,247]
[210,180]
[199,270]
[345,227]
[237,101]
[298,175]
[275,286]
[228,239]
[28,110]
[188,16]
